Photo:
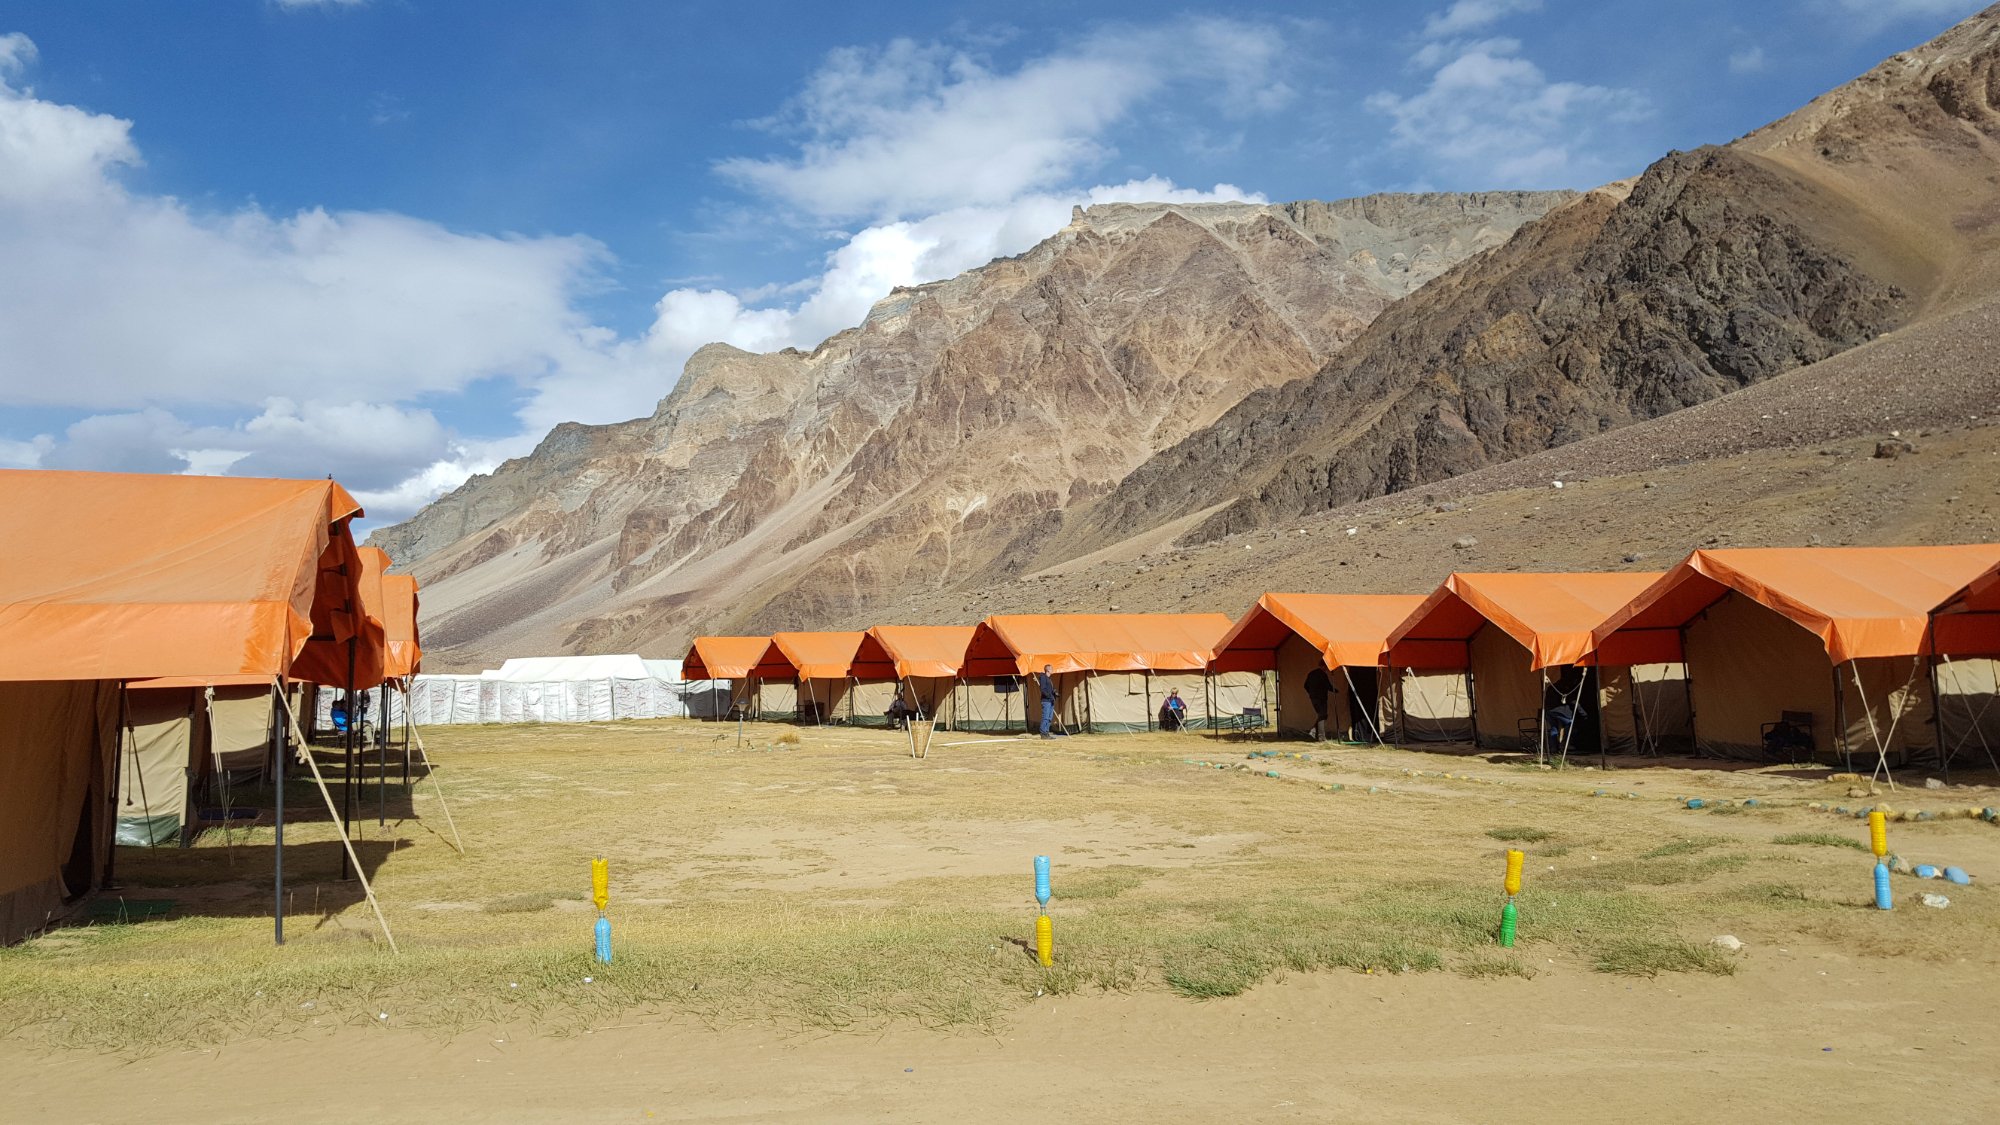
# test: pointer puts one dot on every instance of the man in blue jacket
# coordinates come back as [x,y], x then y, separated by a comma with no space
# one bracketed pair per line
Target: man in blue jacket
[1046,685]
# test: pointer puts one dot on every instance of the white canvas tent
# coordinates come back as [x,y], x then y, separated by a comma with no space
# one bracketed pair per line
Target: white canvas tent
[556,689]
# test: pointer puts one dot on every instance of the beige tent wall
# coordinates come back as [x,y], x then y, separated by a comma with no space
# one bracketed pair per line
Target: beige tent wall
[1222,699]
[1118,702]
[1072,701]
[937,696]
[1747,664]
[864,703]
[1661,720]
[1969,711]
[977,707]
[1429,707]
[1891,710]
[1296,660]
[777,700]
[58,746]
[829,694]
[239,728]
[1505,689]
[155,758]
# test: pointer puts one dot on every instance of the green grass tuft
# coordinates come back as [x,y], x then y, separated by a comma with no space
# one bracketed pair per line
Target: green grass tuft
[1647,957]
[1521,834]
[1822,839]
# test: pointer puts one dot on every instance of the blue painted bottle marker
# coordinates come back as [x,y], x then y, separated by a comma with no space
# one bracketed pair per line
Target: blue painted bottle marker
[1884,900]
[604,939]
[1042,880]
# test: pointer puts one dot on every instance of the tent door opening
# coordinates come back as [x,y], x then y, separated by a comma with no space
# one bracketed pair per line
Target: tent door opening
[1575,688]
[1365,704]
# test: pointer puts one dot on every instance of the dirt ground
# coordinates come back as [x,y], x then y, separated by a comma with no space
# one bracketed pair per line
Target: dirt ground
[826,930]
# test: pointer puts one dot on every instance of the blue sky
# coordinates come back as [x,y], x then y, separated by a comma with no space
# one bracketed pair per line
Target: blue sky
[396,240]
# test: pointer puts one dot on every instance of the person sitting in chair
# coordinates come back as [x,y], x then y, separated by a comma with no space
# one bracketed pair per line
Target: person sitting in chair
[900,712]
[1173,713]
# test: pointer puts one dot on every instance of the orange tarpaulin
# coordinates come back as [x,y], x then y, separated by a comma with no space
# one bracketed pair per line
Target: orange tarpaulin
[122,576]
[895,652]
[1020,644]
[736,658]
[328,657]
[1550,615]
[1349,629]
[1968,623]
[1861,602]
[818,656]
[405,650]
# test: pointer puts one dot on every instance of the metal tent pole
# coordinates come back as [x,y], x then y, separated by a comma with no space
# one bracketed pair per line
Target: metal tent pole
[278,851]
[382,760]
[347,782]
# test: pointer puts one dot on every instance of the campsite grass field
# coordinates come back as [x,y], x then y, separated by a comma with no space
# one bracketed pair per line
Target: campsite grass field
[822,880]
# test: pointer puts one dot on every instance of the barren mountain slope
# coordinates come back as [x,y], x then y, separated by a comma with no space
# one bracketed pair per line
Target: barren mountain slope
[1870,209]
[933,440]
[1789,462]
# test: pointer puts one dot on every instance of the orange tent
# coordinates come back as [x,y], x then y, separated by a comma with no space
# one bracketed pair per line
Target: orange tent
[1861,602]
[1550,615]
[115,576]
[920,661]
[328,657]
[109,577]
[1294,634]
[764,678]
[1505,631]
[1834,637]
[823,661]
[1156,653]
[1346,629]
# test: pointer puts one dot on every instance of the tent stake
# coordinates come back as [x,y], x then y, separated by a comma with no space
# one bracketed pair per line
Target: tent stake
[347,844]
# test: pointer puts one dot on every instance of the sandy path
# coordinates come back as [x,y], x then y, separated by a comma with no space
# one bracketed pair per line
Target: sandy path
[1571,1045]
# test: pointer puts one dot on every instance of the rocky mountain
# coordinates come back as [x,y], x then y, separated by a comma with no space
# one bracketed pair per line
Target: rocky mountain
[937,444]
[1872,208]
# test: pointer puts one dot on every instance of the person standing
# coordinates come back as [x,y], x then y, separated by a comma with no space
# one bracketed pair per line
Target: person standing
[1319,686]
[1045,685]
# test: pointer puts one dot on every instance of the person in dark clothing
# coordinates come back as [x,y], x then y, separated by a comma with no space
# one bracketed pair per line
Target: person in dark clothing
[1045,684]
[899,712]
[1173,713]
[1319,687]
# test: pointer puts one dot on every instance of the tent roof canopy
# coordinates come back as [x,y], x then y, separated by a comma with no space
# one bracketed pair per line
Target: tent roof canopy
[124,576]
[819,656]
[736,658]
[1550,615]
[1347,629]
[399,623]
[1020,644]
[1860,601]
[1968,623]
[895,652]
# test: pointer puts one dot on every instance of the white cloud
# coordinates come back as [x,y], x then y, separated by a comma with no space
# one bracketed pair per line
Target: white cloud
[912,128]
[1749,60]
[1471,15]
[1492,119]
[195,340]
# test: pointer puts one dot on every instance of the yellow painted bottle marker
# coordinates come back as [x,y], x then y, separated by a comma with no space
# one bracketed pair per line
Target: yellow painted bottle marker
[1514,860]
[1878,833]
[600,883]
[1045,942]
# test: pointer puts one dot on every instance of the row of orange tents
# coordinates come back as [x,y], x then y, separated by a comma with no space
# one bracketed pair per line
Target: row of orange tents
[157,630]
[1746,652]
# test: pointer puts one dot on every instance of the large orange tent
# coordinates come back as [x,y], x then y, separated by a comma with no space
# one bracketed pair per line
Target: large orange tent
[1520,639]
[824,662]
[1113,670]
[111,577]
[1835,636]
[1342,635]
[921,661]
[764,682]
